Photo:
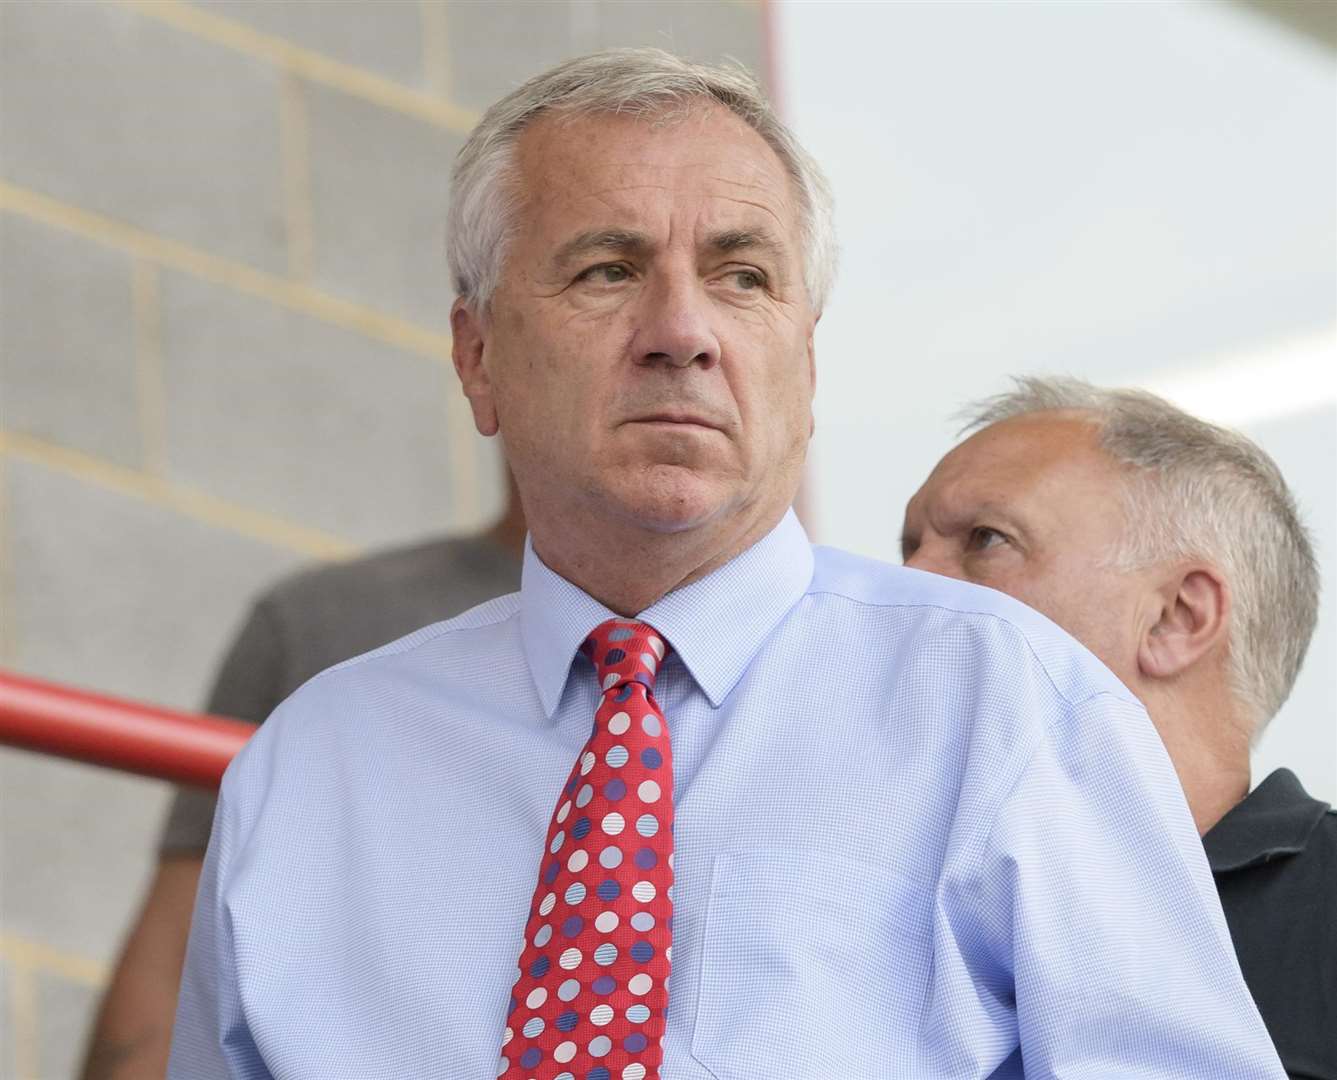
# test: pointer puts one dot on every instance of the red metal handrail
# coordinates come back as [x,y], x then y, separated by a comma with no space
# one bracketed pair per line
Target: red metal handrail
[187,748]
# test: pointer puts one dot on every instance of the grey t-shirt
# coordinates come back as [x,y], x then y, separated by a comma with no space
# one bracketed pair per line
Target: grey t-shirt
[323,616]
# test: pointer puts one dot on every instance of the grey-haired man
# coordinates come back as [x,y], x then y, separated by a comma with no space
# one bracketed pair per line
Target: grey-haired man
[879,823]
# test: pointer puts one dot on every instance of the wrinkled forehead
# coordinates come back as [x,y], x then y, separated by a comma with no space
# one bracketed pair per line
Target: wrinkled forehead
[575,170]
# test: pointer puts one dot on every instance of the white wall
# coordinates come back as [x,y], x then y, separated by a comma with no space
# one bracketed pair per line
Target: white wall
[1131,193]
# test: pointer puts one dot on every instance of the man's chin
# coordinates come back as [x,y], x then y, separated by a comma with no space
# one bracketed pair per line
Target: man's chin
[672,499]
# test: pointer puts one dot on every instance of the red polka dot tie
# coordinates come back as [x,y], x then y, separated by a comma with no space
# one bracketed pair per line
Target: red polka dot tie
[592,986]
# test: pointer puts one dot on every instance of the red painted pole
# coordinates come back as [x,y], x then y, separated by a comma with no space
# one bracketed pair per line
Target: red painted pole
[164,743]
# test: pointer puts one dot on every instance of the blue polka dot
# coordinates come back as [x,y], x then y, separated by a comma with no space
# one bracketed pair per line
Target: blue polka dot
[635,1043]
[620,634]
[580,829]
[531,1057]
[512,1006]
[651,758]
[571,784]
[598,1073]
[646,859]
[615,656]
[567,1020]
[642,952]
[609,890]
[539,967]
[573,926]
[644,679]
[550,874]
[604,984]
[622,694]
[615,789]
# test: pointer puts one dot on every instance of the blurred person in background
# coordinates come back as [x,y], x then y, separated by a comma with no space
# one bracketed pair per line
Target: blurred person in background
[302,626]
[854,805]
[1172,549]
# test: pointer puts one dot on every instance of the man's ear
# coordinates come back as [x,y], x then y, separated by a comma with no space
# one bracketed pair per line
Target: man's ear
[1191,620]
[468,347]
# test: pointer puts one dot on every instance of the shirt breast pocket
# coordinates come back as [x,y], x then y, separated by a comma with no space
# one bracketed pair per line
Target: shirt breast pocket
[812,967]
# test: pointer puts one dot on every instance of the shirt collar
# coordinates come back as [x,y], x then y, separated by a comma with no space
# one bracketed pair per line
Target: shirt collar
[715,625]
[1274,820]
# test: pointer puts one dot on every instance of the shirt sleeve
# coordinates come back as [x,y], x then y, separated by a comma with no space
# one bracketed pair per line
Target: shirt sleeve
[249,686]
[1096,896]
[211,1039]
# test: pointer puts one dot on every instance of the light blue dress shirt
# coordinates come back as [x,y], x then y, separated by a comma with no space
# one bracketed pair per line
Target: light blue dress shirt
[920,834]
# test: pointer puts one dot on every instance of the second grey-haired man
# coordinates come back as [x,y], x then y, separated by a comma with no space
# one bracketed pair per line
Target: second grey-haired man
[833,819]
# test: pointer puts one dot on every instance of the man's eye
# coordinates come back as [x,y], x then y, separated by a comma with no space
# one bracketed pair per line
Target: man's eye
[748,279]
[605,274]
[982,537]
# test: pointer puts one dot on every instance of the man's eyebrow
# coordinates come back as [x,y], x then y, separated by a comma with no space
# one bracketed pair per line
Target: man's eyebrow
[615,241]
[732,240]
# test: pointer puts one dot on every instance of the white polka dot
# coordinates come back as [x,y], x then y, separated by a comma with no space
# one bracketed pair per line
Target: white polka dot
[564,1052]
[643,921]
[507,1036]
[619,723]
[640,984]
[587,760]
[516,977]
[600,1045]
[656,646]
[570,960]
[644,891]
[536,997]
[606,922]
[564,811]
[638,1014]
[650,725]
[601,1015]
[649,662]
[548,902]
[611,679]
[503,1065]
[648,791]
[586,793]
[606,954]
[610,858]
[612,824]
[580,858]
[668,953]
[533,1027]
[543,936]
[557,841]
[647,825]
[568,989]
[575,893]
[670,862]
[634,1071]
[616,757]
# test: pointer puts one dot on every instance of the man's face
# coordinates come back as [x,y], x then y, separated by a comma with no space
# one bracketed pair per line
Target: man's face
[648,352]
[1032,507]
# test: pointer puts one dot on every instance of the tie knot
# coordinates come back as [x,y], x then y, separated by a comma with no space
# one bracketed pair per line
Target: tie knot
[625,651]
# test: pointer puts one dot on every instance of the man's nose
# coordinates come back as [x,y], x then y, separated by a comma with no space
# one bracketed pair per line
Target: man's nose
[676,325]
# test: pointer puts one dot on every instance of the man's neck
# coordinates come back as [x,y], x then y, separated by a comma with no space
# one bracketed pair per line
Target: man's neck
[1210,753]
[627,568]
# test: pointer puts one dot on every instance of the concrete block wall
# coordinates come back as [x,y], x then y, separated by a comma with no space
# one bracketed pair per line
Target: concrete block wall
[223,354]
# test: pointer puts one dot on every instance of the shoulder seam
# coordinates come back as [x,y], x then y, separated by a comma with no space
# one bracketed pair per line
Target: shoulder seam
[994,616]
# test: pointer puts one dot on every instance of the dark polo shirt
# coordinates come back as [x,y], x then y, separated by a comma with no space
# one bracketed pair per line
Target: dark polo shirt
[1274,857]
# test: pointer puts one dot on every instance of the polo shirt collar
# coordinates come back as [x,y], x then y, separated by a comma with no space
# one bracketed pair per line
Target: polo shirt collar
[1276,819]
[715,625]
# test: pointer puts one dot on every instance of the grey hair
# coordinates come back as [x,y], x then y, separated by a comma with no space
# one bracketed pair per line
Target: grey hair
[1195,490]
[638,82]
